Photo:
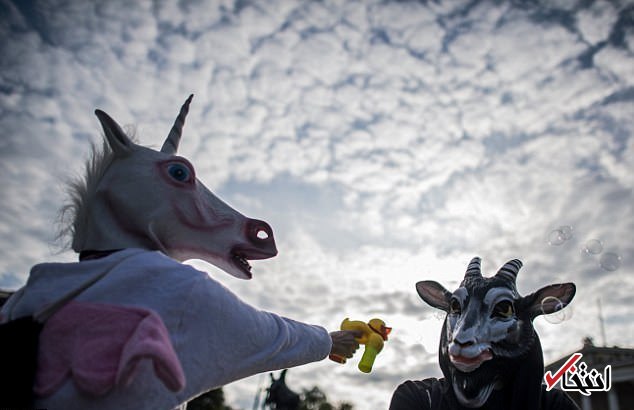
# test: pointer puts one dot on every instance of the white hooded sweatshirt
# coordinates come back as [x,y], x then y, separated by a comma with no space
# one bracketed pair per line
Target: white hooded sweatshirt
[217,337]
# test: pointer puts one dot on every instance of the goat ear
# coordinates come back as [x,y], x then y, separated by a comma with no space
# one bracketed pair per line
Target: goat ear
[550,299]
[117,139]
[434,294]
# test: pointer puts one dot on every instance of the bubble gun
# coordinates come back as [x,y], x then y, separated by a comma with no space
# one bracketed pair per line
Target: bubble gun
[374,333]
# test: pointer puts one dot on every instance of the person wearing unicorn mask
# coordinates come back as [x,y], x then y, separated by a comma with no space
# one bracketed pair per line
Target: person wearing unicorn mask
[129,326]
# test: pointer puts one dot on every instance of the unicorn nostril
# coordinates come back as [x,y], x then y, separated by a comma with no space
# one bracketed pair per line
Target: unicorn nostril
[259,233]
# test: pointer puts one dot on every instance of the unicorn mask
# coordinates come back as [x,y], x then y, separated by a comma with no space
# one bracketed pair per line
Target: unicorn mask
[137,197]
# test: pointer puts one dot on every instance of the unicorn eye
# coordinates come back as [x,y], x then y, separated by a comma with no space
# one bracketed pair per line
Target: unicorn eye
[178,172]
[454,307]
[503,310]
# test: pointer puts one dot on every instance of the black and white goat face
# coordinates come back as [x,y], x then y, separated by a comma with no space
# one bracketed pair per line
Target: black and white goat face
[488,329]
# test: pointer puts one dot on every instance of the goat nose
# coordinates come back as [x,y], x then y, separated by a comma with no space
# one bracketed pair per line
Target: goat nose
[463,340]
[464,344]
[260,234]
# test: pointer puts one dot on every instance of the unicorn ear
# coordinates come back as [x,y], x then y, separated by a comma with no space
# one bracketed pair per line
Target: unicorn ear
[117,139]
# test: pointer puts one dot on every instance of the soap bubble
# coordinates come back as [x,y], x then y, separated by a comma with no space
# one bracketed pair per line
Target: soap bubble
[561,313]
[610,261]
[566,232]
[593,247]
[556,238]
[560,235]
[439,315]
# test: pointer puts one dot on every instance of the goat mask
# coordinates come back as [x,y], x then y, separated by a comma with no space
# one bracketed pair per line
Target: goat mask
[488,341]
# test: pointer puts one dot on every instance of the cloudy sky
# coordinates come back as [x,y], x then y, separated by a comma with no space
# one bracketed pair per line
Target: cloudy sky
[385,142]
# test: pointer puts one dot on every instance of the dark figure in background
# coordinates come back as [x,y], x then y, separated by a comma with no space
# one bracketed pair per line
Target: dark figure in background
[279,396]
[490,354]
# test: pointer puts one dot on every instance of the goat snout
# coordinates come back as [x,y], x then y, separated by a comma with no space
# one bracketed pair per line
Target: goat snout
[469,348]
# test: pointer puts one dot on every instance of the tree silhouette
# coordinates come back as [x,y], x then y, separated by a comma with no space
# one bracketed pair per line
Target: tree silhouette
[310,399]
[212,400]
[315,399]
[281,397]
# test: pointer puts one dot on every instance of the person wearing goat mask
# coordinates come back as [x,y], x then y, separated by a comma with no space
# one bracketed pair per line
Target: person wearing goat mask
[490,354]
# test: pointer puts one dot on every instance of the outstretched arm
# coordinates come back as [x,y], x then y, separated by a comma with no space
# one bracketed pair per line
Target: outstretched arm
[221,339]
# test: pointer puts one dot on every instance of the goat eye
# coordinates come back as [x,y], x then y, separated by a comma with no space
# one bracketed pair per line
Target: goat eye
[178,172]
[503,309]
[454,307]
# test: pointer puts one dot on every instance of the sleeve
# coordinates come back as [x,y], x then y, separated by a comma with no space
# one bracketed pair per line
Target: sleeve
[222,339]
[411,395]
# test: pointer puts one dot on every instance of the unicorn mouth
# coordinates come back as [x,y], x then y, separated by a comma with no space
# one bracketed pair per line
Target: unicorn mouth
[469,364]
[243,264]
[240,257]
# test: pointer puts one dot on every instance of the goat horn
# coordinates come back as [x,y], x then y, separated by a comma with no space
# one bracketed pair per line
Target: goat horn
[473,270]
[510,269]
[170,146]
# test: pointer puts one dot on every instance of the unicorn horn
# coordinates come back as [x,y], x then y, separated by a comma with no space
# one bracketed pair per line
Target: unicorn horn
[170,146]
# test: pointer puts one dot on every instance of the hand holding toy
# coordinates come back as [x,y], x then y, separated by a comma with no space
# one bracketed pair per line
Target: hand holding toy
[374,333]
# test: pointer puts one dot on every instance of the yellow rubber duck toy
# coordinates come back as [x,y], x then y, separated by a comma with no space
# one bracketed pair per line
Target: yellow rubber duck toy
[374,333]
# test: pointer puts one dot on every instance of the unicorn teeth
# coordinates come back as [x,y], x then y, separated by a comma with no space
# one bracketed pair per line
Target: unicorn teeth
[243,261]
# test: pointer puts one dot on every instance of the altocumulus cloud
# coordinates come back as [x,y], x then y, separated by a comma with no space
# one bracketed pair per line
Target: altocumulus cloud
[386,142]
